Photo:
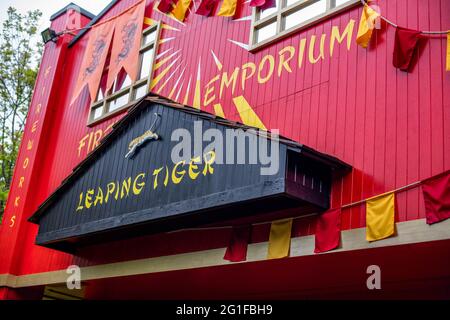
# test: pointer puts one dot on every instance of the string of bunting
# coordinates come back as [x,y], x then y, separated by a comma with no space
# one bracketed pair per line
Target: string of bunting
[406,40]
[380,222]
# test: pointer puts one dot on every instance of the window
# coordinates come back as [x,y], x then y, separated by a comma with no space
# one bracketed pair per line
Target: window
[123,91]
[289,16]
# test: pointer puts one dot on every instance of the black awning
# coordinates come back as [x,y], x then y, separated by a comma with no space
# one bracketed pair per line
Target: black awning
[116,192]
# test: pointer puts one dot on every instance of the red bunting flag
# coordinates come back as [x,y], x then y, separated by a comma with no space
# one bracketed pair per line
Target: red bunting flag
[126,44]
[436,194]
[166,6]
[94,59]
[328,231]
[405,44]
[207,7]
[237,247]
[263,4]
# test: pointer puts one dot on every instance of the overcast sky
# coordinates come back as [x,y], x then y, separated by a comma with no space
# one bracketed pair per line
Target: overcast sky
[49,7]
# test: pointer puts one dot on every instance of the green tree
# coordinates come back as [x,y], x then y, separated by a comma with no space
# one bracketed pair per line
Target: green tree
[18,69]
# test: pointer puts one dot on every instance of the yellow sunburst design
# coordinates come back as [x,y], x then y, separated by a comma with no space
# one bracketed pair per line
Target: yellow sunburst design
[163,61]
[247,114]
[185,81]
[158,78]
[167,79]
[176,84]
[218,110]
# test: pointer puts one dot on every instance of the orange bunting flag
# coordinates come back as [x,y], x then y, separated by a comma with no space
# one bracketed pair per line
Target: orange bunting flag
[280,239]
[94,59]
[126,43]
[366,26]
[448,51]
[180,10]
[380,217]
[228,8]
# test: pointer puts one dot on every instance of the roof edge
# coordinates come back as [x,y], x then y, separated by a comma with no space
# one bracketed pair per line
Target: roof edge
[72,5]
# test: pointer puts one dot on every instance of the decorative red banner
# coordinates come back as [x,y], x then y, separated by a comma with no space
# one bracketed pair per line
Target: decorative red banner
[126,44]
[94,59]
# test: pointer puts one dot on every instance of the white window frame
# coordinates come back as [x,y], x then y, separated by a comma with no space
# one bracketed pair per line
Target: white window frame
[283,10]
[132,88]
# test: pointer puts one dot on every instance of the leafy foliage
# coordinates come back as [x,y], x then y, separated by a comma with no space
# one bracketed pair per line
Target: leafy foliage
[18,69]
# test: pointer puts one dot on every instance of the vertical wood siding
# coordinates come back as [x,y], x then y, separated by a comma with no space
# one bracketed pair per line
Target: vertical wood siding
[391,126]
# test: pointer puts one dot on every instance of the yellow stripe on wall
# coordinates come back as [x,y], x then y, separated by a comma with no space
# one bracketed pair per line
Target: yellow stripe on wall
[247,114]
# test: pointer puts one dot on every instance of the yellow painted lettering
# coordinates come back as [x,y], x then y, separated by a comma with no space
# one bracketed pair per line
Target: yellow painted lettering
[155,174]
[110,187]
[336,35]
[284,60]
[246,75]
[80,204]
[125,190]
[209,89]
[88,199]
[138,186]
[99,197]
[208,162]
[271,64]
[312,43]
[192,166]
[177,179]
[226,82]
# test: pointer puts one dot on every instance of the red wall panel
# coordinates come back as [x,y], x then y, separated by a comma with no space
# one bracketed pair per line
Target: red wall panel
[391,126]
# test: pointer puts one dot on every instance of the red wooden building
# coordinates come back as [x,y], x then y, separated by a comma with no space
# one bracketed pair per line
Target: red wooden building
[295,67]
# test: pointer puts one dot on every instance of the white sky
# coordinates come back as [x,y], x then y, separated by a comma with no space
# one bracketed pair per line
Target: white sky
[49,7]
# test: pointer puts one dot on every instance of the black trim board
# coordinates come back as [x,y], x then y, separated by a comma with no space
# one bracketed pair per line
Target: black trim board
[72,5]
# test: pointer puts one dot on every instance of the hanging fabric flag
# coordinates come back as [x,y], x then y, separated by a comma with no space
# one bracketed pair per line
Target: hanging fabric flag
[448,51]
[94,59]
[328,231]
[182,6]
[268,4]
[228,8]
[279,239]
[436,194]
[126,43]
[263,4]
[366,26]
[237,247]
[165,6]
[207,7]
[405,44]
[380,217]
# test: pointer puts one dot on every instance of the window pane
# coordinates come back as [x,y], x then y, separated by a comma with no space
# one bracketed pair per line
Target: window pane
[140,91]
[147,61]
[289,2]
[150,37]
[305,14]
[97,112]
[267,12]
[266,32]
[122,81]
[118,102]
[339,2]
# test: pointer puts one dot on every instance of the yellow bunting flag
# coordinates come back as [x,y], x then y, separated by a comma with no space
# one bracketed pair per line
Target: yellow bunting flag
[179,12]
[380,217]
[366,26]
[448,50]
[279,239]
[228,8]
